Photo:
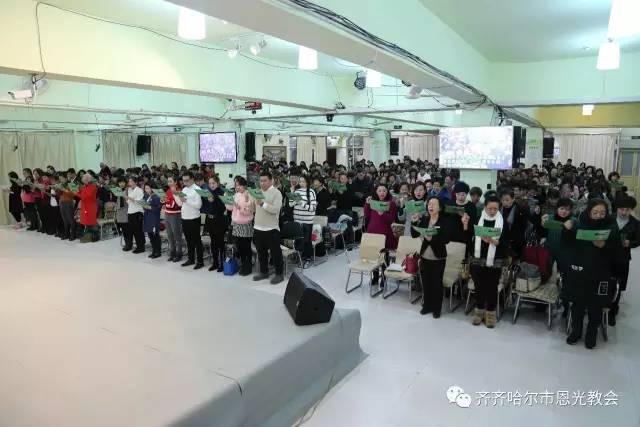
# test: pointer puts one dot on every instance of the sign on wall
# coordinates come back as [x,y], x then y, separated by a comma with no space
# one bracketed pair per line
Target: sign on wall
[533,153]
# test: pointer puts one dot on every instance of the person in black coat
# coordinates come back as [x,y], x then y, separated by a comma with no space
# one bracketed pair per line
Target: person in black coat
[323,198]
[590,265]
[433,255]
[215,222]
[15,201]
[629,228]
[458,234]
[515,223]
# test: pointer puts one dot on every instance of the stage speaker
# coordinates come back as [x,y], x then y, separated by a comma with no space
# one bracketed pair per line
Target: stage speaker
[306,301]
[547,148]
[250,146]
[143,145]
[394,147]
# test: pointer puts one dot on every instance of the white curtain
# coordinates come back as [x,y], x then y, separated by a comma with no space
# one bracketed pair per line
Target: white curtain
[423,147]
[32,150]
[119,149]
[320,150]
[304,151]
[596,150]
[167,148]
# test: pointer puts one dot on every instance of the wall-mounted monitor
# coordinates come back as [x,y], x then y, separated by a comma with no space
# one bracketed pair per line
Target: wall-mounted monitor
[477,147]
[218,147]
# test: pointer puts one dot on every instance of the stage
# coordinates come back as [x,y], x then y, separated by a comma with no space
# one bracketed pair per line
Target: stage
[92,336]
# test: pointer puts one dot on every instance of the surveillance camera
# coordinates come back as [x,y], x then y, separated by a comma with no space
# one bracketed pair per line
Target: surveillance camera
[21,94]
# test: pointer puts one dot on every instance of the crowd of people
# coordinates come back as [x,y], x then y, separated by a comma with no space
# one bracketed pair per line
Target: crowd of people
[553,205]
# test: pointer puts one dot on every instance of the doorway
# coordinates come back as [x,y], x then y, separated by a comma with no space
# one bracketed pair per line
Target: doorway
[332,156]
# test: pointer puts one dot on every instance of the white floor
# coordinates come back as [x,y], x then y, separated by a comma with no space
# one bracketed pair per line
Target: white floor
[412,359]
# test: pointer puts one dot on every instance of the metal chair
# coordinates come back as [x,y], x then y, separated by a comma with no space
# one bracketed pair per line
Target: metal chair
[292,240]
[406,246]
[371,258]
[547,294]
[323,222]
[452,278]
[504,289]
[109,218]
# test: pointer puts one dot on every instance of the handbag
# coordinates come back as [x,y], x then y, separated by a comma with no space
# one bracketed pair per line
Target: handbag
[410,264]
[541,258]
[230,266]
[528,278]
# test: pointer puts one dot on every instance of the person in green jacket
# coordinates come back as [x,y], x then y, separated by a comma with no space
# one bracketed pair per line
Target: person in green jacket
[590,265]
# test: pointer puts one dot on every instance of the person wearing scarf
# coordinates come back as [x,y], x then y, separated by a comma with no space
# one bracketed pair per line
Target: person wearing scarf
[629,228]
[589,264]
[489,256]
[515,223]
[458,233]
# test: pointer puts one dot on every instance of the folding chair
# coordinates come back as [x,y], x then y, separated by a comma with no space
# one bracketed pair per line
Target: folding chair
[406,246]
[323,222]
[547,294]
[371,258]
[109,218]
[452,278]
[292,241]
[504,289]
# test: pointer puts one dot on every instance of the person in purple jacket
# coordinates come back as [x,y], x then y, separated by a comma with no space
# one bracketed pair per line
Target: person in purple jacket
[380,222]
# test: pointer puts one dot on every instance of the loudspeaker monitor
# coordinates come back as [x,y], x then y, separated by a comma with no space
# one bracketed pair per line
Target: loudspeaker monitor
[143,144]
[250,146]
[547,148]
[306,301]
[394,147]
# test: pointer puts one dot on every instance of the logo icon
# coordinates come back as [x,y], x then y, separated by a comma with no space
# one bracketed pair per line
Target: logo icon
[455,394]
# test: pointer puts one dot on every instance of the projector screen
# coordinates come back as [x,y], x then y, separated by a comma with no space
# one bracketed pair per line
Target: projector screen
[476,147]
[218,147]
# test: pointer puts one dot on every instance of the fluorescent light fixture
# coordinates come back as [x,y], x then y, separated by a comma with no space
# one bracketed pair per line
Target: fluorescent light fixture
[587,109]
[191,25]
[609,55]
[224,22]
[257,48]
[458,112]
[624,20]
[307,58]
[374,78]
[232,53]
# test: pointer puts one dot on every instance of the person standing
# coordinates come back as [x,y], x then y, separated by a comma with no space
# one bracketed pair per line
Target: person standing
[122,219]
[216,223]
[267,230]
[304,212]
[135,216]
[173,220]
[629,228]
[151,220]
[190,213]
[15,202]
[242,227]
[88,207]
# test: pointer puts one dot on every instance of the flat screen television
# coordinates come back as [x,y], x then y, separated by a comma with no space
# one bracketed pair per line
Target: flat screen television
[218,147]
[477,147]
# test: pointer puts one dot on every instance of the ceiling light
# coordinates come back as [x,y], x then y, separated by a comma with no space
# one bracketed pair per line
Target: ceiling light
[232,53]
[624,20]
[587,109]
[609,55]
[257,48]
[361,81]
[458,112]
[307,58]
[191,25]
[374,78]
[224,22]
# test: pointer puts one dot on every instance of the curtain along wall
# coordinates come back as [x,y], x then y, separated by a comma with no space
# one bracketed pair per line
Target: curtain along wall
[20,150]
[596,150]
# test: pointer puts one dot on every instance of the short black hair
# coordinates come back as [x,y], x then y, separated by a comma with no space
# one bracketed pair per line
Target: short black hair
[565,202]
[626,202]
[240,180]
[491,199]
[507,192]
[188,174]
[267,174]
[475,191]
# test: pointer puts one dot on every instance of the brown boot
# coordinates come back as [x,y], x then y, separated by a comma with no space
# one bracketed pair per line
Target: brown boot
[490,319]
[477,317]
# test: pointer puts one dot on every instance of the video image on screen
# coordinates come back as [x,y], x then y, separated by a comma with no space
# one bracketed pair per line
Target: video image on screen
[477,147]
[218,147]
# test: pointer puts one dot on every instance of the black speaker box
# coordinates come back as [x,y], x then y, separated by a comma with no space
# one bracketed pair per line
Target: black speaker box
[250,146]
[143,145]
[547,148]
[307,302]
[394,147]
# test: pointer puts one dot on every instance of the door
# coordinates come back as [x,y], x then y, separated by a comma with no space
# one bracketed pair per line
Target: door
[332,156]
[629,170]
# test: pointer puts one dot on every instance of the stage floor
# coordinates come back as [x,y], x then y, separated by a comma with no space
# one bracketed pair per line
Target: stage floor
[411,362]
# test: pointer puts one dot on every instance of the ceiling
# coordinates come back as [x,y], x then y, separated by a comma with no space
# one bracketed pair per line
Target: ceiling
[530,30]
[162,16]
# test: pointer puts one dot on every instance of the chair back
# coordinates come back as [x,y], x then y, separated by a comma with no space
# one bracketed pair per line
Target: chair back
[455,255]
[322,221]
[407,245]
[371,245]
[291,231]
[110,210]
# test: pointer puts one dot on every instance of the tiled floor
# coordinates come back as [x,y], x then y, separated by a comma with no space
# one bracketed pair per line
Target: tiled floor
[413,359]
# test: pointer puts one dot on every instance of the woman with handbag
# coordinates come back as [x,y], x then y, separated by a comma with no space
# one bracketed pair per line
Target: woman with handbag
[589,286]
[488,258]
[433,256]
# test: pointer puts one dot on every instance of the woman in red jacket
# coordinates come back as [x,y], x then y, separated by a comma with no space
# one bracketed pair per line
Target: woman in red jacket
[88,207]
[380,222]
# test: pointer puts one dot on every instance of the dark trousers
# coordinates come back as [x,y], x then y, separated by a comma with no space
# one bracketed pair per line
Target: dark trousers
[123,228]
[431,272]
[154,238]
[594,314]
[136,232]
[244,250]
[17,215]
[268,243]
[191,230]
[486,281]
[42,210]
[31,215]
[623,277]
[307,247]
[55,221]
[216,229]
[67,211]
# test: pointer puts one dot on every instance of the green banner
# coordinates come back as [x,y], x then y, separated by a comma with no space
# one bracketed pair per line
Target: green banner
[379,206]
[490,232]
[427,232]
[593,235]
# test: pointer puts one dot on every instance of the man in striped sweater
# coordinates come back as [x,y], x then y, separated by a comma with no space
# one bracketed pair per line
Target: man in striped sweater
[304,212]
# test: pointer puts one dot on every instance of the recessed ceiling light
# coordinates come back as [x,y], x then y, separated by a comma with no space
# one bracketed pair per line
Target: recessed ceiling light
[191,25]
[609,55]
[374,79]
[458,112]
[307,58]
